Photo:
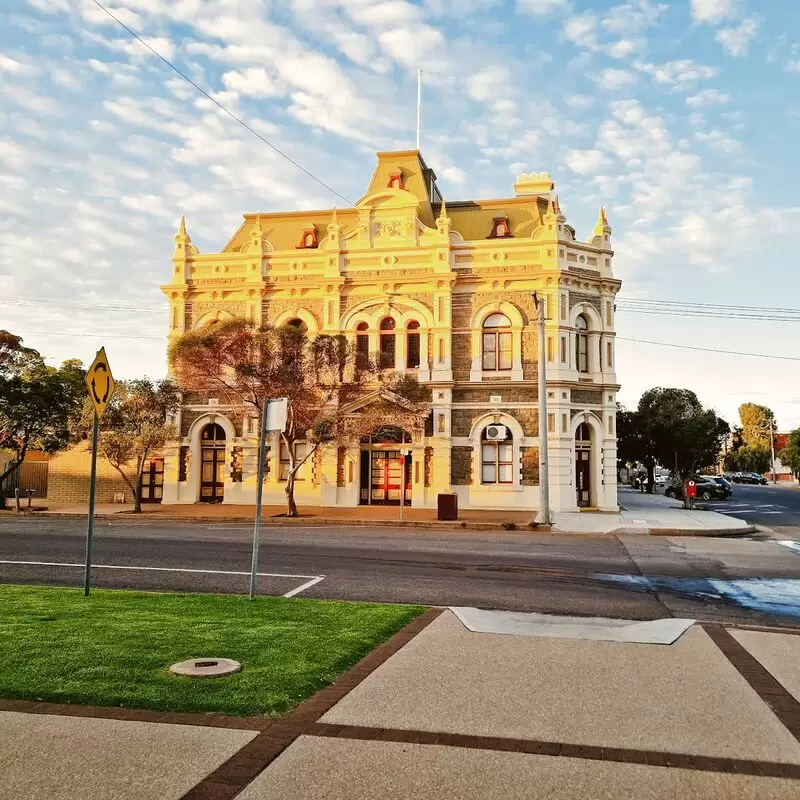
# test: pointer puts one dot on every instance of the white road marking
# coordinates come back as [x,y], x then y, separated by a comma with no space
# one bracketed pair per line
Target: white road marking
[791,544]
[314,579]
[308,585]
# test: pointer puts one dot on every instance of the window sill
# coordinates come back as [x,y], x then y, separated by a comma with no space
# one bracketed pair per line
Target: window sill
[494,487]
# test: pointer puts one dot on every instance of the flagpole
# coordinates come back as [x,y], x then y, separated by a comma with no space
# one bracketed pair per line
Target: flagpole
[419,104]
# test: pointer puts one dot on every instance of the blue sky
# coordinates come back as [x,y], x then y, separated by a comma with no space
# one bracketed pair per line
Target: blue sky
[681,117]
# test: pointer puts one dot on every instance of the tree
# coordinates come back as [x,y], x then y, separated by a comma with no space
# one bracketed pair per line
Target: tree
[678,432]
[632,444]
[37,403]
[756,423]
[133,426]
[790,455]
[245,365]
[749,458]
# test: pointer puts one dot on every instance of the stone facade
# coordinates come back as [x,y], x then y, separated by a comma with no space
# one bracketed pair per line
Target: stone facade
[457,279]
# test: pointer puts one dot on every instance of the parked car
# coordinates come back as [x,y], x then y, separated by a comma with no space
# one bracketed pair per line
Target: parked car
[749,477]
[707,489]
[720,479]
[662,480]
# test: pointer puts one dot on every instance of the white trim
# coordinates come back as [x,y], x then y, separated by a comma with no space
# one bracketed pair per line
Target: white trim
[298,313]
[195,450]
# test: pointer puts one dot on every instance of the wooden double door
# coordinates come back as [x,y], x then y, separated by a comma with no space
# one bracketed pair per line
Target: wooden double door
[151,487]
[382,474]
[212,473]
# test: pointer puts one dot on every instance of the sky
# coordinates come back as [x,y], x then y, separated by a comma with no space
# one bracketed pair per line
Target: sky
[680,117]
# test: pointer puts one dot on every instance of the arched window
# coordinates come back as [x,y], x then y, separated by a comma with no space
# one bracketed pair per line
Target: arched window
[412,345]
[497,342]
[297,324]
[387,343]
[497,455]
[584,433]
[362,345]
[582,344]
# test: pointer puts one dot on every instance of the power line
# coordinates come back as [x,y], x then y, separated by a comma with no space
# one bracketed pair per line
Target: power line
[708,349]
[710,315]
[688,304]
[219,105]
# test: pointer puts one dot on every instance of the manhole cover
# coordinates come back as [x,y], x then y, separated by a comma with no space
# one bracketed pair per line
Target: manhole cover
[206,667]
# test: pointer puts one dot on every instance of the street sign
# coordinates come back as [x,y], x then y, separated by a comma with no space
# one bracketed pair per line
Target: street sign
[100,382]
[277,412]
[691,489]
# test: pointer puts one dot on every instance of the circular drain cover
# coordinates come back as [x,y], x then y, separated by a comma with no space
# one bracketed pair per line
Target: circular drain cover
[206,667]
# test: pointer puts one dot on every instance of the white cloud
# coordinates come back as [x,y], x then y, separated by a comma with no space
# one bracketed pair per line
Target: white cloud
[454,175]
[793,66]
[542,7]
[737,40]
[633,17]
[484,85]
[14,67]
[412,46]
[586,162]
[579,101]
[713,11]
[708,97]
[163,46]
[681,73]
[624,47]
[719,141]
[614,79]
[582,29]
[252,82]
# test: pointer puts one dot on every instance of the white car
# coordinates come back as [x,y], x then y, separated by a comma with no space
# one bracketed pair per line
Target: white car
[662,480]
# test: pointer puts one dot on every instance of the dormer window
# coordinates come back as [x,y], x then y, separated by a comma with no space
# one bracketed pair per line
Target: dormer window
[309,239]
[396,180]
[500,228]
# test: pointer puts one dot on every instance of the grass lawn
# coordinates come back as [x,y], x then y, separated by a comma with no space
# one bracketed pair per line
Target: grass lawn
[114,647]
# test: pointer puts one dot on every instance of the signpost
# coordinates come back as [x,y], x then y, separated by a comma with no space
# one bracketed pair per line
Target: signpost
[691,492]
[273,418]
[101,385]
[403,454]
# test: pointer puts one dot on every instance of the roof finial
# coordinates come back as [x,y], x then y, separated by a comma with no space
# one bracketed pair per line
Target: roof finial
[443,210]
[182,227]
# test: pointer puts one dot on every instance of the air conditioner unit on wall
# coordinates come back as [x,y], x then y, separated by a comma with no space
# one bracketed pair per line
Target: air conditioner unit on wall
[496,433]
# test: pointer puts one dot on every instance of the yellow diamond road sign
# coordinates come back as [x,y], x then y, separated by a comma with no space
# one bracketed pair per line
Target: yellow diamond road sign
[100,382]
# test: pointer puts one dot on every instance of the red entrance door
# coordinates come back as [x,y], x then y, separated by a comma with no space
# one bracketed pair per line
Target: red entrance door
[386,476]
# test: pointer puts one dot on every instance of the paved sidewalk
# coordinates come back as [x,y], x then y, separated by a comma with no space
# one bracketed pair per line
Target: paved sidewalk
[442,713]
[640,513]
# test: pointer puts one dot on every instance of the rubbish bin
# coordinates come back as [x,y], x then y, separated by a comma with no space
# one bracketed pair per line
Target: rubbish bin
[447,506]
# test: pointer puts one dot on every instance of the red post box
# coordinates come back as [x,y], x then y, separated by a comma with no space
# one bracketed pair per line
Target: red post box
[691,489]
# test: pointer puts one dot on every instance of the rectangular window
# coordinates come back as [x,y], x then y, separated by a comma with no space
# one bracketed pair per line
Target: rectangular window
[183,458]
[563,349]
[548,306]
[563,306]
[497,462]
[497,351]
[504,350]
[362,351]
[412,356]
[387,351]
[550,348]
[551,423]
[564,423]
[609,351]
[610,315]
[582,352]
[611,424]
[300,449]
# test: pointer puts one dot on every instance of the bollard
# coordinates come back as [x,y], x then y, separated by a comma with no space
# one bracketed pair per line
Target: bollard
[16,500]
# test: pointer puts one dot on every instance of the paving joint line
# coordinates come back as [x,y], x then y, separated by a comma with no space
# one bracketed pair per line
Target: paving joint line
[244,766]
[773,693]
[625,755]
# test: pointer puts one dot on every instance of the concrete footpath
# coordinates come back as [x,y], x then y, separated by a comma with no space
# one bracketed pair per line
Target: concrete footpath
[536,709]
[639,513]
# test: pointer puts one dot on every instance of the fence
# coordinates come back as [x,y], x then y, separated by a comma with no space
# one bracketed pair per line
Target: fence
[30,475]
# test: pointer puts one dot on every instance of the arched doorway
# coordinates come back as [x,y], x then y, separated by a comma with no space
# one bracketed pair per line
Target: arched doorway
[212,466]
[583,465]
[386,467]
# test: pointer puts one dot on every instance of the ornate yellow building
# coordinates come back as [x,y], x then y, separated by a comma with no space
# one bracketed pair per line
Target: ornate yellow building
[440,290]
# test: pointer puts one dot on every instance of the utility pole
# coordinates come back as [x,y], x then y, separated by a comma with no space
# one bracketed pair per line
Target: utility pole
[544,474]
[772,448]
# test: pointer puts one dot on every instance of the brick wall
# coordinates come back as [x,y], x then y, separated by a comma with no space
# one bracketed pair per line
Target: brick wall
[68,479]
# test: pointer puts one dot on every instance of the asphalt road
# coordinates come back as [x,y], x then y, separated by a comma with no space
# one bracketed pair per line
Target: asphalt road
[772,506]
[561,574]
